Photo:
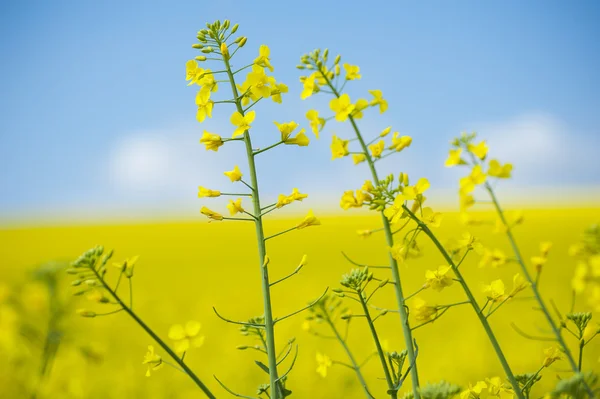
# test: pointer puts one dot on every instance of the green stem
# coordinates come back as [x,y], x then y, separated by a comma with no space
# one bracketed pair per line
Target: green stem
[386,370]
[408,339]
[260,237]
[156,338]
[355,365]
[581,345]
[472,300]
[534,288]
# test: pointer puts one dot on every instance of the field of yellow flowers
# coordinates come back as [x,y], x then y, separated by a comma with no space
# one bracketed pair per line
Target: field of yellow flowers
[186,268]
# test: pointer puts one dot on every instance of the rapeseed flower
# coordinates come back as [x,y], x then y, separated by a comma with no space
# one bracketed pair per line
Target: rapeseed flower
[211,141]
[242,122]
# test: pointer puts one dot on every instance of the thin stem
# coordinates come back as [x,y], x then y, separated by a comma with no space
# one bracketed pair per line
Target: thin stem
[386,370]
[342,342]
[581,346]
[155,337]
[266,291]
[472,300]
[534,288]
[408,340]
[268,148]
[280,233]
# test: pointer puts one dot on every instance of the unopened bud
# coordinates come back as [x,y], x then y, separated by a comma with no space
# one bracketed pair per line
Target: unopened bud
[86,313]
[200,58]
[243,41]
[226,24]
[300,66]
[337,59]
[207,50]
[384,282]
[224,50]
[242,347]
[75,283]
[197,45]
[235,28]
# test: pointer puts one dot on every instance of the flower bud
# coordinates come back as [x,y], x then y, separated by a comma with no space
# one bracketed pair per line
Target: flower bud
[241,347]
[75,283]
[86,313]
[325,54]
[300,66]
[226,24]
[337,59]
[200,58]
[235,28]
[243,41]
[197,45]
[384,282]
[207,50]
[224,51]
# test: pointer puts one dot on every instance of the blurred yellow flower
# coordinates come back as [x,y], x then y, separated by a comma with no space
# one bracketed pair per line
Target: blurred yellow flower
[400,142]
[498,389]
[494,291]
[323,363]
[360,105]
[499,171]
[454,158]
[127,265]
[235,207]
[475,178]
[263,57]
[187,336]
[551,355]
[310,86]
[473,391]
[316,123]
[385,131]
[350,200]
[152,360]
[364,233]
[431,218]
[411,192]
[422,311]
[207,192]
[479,150]
[493,258]
[309,220]
[377,148]
[277,89]
[234,175]
[438,279]
[211,214]
[358,158]
[352,72]
[519,284]
[379,100]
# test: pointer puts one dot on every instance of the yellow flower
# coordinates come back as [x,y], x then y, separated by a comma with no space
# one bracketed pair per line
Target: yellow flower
[342,107]
[364,233]
[339,147]
[473,392]
[186,336]
[385,131]
[211,214]
[300,140]
[206,192]
[494,291]
[192,72]
[297,195]
[432,218]
[411,192]
[545,248]
[234,175]
[399,252]
[263,57]
[351,72]
[309,220]
[208,82]
[499,171]
[377,149]
[126,267]
[538,261]
[288,199]
[277,89]
[310,86]
[242,122]
[468,183]
[497,389]
[493,258]
[466,201]
[395,212]
[379,100]
[235,207]
[551,355]
[323,363]
[286,130]
[422,311]
[367,186]
[258,82]
[438,279]
[359,107]
[211,141]
[316,123]
[400,143]
[205,105]
[153,361]
[480,150]
[454,158]
[358,158]
[350,201]
[519,284]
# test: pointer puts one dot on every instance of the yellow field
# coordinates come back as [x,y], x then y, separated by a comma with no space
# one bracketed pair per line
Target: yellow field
[186,268]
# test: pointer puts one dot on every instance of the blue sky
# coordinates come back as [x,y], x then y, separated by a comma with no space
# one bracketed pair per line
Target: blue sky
[96,118]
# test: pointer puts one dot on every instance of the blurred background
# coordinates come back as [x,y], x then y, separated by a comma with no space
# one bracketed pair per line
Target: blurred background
[99,145]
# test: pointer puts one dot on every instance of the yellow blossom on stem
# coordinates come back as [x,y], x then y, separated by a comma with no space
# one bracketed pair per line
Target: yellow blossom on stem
[352,72]
[422,311]
[186,336]
[498,170]
[316,123]
[411,192]
[206,192]
[364,233]
[242,122]
[277,89]
[475,178]
[193,72]
[545,248]
[258,82]
[538,262]
[395,212]
[431,218]
[479,150]
[454,158]
[359,107]
[519,284]
[205,105]
[342,107]
[400,142]
[438,279]
[208,82]
[323,364]
[551,355]
[263,57]
[152,360]
[379,100]
[234,175]
[474,391]
[358,158]
[495,291]
[127,266]
[309,220]
[297,195]
[385,131]
[377,149]
[339,148]
[211,214]
[288,199]
[349,200]
[493,258]
[286,129]
[211,141]
[235,207]
[300,139]
[399,252]
[367,186]
[498,389]
[466,201]
[310,86]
